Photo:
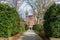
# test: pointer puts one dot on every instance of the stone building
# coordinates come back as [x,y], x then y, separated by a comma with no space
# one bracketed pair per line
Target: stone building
[30,20]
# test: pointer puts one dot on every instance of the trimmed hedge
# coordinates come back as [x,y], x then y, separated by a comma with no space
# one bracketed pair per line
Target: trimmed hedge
[52,21]
[9,21]
[26,27]
[37,28]
[23,26]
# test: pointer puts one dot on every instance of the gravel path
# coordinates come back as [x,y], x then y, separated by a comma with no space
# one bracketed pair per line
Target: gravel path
[30,35]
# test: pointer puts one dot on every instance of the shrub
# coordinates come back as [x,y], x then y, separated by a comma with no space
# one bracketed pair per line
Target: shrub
[37,28]
[9,21]
[26,27]
[52,21]
[23,25]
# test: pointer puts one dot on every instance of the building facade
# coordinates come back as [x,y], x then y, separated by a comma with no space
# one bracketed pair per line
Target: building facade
[30,21]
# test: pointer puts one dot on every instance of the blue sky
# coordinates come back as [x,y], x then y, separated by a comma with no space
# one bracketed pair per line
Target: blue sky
[28,8]
[57,0]
[23,8]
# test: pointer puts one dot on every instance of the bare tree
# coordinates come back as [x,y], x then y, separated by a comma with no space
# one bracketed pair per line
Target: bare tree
[42,6]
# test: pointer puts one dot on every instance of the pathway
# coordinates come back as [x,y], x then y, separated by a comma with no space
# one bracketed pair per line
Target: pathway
[30,35]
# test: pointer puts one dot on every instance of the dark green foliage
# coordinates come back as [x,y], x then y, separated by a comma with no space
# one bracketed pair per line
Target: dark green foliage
[9,21]
[23,26]
[26,27]
[52,21]
[37,28]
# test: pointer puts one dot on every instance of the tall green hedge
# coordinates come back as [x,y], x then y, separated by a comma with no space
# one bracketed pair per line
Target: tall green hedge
[9,21]
[52,21]
[37,28]
[23,25]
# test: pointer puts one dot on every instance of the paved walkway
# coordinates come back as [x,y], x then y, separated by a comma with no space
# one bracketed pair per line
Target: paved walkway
[30,35]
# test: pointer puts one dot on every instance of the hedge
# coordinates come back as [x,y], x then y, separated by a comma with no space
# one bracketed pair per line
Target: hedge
[38,28]
[9,21]
[52,21]
[23,26]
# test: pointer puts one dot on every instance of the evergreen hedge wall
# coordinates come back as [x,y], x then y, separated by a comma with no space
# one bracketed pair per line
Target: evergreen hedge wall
[9,21]
[52,21]
[37,28]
